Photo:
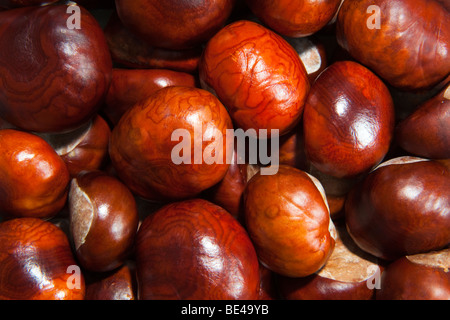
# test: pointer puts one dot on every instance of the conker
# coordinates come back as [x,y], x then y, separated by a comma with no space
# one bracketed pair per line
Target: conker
[425,132]
[162,23]
[195,250]
[401,208]
[424,276]
[33,178]
[142,147]
[36,262]
[405,42]
[297,19]
[348,121]
[53,78]
[103,220]
[257,75]
[288,220]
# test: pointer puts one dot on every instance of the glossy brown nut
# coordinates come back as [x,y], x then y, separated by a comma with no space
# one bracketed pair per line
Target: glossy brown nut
[417,277]
[119,284]
[195,250]
[257,75]
[130,51]
[130,86]
[295,18]
[287,218]
[174,25]
[23,3]
[103,220]
[36,262]
[312,52]
[349,274]
[425,133]
[84,149]
[348,120]
[406,57]
[33,178]
[401,208]
[142,147]
[53,78]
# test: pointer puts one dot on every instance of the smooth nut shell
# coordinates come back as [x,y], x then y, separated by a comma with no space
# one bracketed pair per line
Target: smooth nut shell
[409,278]
[348,120]
[288,220]
[33,178]
[407,57]
[35,256]
[401,208]
[103,220]
[195,250]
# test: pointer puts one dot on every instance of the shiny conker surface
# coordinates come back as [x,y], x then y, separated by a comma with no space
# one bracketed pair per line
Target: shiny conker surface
[36,262]
[401,208]
[295,18]
[410,47]
[417,277]
[103,220]
[33,178]
[288,220]
[425,132]
[141,146]
[348,122]
[195,250]
[257,75]
[130,86]
[162,23]
[52,78]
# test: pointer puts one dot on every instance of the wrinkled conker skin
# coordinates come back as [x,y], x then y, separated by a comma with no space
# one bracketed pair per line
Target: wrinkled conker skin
[162,23]
[130,51]
[84,149]
[33,178]
[142,144]
[257,75]
[52,78]
[411,47]
[103,220]
[425,132]
[295,18]
[349,274]
[348,120]
[35,257]
[130,86]
[401,208]
[288,220]
[409,279]
[195,250]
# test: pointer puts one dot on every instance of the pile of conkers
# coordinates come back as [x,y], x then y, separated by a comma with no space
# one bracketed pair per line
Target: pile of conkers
[107,194]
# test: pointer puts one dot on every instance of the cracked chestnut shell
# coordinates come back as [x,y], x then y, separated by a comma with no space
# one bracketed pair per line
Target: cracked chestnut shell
[145,148]
[401,208]
[33,178]
[195,250]
[411,47]
[35,256]
[257,75]
[103,220]
[288,220]
[53,78]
